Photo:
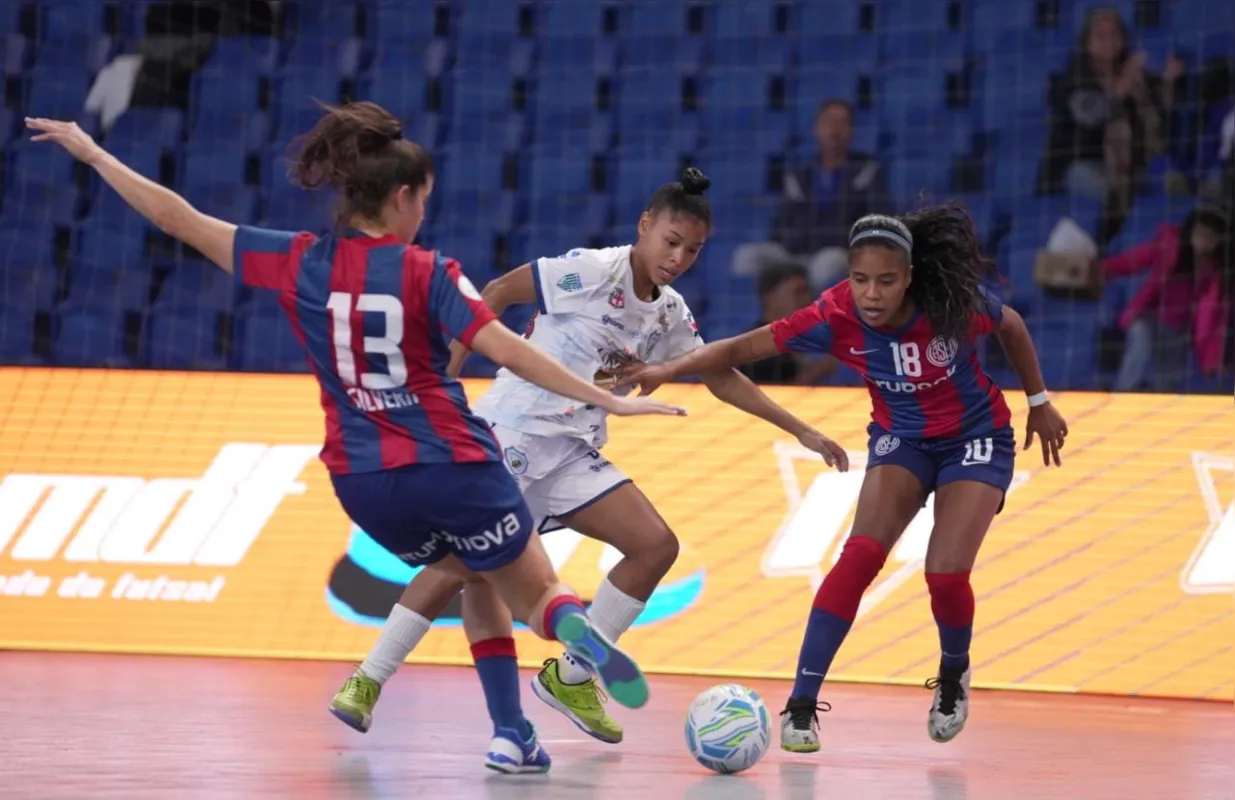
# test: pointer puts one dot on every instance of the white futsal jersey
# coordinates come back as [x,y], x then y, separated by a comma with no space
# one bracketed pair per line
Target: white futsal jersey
[587,314]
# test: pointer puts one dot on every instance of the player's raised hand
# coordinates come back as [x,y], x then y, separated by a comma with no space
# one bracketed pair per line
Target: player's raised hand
[636,406]
[1051,428]
[833,454]
[66,134]
[648,377]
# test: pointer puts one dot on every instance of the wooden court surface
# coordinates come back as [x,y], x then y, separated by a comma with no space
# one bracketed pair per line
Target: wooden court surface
[131,726]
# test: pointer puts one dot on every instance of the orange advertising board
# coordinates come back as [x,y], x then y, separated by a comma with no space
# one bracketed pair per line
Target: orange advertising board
[188,513]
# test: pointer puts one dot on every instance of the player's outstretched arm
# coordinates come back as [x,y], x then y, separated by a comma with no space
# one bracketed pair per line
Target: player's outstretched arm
[168,211]
[516,287]
[1045,421]
[732,387]
[717,356]
[497,343]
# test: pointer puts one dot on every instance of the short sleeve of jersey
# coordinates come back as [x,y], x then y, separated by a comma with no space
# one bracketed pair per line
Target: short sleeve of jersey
[805,331]
[268,259]
[564,284]
[455,303]
[683,335]
[989,315]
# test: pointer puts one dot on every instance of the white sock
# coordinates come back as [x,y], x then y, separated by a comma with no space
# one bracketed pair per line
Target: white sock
[403,630]
[612,613]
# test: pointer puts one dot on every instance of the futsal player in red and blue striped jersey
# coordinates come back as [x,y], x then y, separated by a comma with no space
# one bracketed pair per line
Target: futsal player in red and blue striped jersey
[409,461]
[908,321]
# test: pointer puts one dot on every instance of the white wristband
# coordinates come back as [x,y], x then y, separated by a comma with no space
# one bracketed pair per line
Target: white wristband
[1039,399]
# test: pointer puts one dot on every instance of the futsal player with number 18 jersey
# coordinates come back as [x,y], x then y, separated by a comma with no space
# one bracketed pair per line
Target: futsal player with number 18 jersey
[908,320]
[409,461]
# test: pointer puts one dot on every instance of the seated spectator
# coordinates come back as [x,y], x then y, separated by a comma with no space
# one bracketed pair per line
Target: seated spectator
[1186,300]
[784,289]
[1107,117]
[820,202]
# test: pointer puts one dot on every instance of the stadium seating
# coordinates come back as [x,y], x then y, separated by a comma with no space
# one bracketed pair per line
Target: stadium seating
[551,121]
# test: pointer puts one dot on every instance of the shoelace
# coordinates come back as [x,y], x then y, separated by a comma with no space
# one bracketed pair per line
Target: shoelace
[803,715]
[950,692]
[593,702]
[359,690]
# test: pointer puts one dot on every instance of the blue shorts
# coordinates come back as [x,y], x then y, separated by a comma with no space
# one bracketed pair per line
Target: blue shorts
[989,459]
[425,512]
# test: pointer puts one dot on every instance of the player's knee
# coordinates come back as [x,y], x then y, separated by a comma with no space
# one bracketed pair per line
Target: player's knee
[948,563]
[660,551]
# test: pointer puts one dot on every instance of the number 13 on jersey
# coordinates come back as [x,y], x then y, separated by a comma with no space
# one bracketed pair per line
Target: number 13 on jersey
[388,345]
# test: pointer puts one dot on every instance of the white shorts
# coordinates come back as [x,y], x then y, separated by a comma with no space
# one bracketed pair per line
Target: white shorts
[558,475]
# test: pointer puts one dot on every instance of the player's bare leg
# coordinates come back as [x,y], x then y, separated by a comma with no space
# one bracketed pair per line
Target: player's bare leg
[890,498]
[425,597]
[529,586]
[625,519]
[963,514]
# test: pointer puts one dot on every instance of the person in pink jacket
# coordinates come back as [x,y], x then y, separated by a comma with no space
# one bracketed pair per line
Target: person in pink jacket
[1185,302]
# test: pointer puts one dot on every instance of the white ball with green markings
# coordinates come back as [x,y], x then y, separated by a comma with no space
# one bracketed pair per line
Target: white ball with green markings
[728,729]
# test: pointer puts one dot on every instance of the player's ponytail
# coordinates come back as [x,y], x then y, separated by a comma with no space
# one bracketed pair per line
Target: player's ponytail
[685,196]
[358,150]
[949,267]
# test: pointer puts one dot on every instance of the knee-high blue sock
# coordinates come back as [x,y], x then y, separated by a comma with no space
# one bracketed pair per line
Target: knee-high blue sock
[498,667]
[833,611]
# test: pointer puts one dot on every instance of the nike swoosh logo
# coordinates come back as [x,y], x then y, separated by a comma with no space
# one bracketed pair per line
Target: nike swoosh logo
[859,352]
[812,674]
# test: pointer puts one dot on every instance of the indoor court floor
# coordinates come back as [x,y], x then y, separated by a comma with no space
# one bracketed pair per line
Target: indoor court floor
[135,726]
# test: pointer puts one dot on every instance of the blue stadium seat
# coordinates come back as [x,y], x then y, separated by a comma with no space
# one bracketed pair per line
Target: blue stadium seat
[259,55]
[341,56]
[102,309]
[913,180]
[234,203]
[57,91]
[291,209]
[483,23]
[266,339]
[15,55]
[737,104]
[399,21]
[40,175]
[223,92]
[189,317]
[28,292]
[209,164]
[635,179]
[840,19]
[648,19]
[103,248]
[147,129]
[246,132]
[573,21]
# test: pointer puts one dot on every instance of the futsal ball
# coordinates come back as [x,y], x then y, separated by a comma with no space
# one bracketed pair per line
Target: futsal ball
[727,728]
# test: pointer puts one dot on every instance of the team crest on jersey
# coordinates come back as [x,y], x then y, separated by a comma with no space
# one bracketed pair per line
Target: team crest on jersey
[570,283]
[886,444]
[617,298]
[664,321]
[941,351]
[516,460]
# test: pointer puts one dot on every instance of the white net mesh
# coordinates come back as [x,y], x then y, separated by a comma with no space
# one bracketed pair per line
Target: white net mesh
[552,122]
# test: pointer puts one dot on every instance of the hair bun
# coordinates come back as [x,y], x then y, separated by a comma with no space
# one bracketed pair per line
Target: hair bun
[694,181]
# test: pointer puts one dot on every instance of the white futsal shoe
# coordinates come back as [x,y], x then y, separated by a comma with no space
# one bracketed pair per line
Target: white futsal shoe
[799,724]
[950,710]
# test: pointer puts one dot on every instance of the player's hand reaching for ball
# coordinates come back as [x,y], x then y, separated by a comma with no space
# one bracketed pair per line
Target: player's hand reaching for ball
[1051,428]
[833,454]
[68,135]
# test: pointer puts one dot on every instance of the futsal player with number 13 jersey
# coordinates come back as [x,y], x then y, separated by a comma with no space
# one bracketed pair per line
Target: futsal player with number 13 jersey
[908,320]
[409,461]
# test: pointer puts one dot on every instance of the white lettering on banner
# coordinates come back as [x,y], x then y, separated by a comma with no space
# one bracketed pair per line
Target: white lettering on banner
[1211,569]
[816,524]
[210,521]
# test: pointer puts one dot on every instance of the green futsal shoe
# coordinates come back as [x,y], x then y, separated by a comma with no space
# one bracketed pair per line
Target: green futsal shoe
[355,701]
[582,703]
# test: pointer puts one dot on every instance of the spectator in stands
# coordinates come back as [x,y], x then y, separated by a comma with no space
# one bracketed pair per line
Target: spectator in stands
[820,202]
[1106,116]
[783,289]
[1186,300]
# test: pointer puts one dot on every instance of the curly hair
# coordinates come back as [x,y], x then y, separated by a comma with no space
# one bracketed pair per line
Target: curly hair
[949,267]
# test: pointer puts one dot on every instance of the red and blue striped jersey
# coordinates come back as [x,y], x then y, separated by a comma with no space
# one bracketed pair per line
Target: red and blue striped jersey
[375,317]
[922,386]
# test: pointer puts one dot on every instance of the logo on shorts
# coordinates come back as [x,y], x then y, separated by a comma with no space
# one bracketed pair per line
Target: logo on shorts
[516,460]
[617,298]
[886,444]
[941,351]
